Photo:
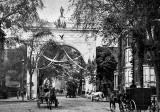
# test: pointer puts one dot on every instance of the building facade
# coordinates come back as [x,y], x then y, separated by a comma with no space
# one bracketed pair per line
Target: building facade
[149,79]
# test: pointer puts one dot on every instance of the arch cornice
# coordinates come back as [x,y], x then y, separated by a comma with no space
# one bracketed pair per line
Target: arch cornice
[82,40]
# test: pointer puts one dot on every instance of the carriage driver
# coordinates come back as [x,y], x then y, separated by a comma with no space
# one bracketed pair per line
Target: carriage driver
[46,88]
[133,85]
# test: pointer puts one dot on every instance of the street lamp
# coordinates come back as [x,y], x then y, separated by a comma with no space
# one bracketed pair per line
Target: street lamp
[22,80]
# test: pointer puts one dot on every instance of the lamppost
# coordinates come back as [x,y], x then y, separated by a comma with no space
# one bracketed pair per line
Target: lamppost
[22,91]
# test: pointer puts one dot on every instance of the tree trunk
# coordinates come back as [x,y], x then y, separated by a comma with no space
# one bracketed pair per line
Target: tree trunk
[140,56]
[80,87]
[120,60]
[2,74]
[157,73]
[30,94]
[139,43]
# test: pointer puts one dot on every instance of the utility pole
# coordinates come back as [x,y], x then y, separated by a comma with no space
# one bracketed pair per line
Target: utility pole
[22,80]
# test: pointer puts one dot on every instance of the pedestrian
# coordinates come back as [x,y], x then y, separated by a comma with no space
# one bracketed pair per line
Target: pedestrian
[87,91]
[21,93]
[133,85]
[18,94]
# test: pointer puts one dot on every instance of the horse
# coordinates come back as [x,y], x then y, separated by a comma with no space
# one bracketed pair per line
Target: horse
[97,95]
[88,94]
[50,98]
[112,100]
[116,98]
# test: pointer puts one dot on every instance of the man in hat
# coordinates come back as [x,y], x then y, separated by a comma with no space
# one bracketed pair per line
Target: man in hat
[133,85]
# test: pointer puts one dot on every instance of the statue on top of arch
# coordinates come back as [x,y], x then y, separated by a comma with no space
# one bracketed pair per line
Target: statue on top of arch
[60,23]
[61,11]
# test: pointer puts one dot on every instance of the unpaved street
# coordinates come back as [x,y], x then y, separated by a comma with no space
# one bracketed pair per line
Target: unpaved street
[78,104]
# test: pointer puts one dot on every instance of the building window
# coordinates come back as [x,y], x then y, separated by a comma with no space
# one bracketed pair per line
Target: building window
[129,41]
[145,75]
[152,75]
[126,76]
[129,77]
[126,56]
[129,55]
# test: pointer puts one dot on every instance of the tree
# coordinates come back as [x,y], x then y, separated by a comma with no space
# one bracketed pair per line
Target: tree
[141,16]
[15,57]
[13,62]
[16,15]
[46,68]
[39,31]
[135,18]
[106,64]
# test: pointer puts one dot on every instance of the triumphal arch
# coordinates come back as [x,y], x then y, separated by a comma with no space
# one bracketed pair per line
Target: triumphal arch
[64,33]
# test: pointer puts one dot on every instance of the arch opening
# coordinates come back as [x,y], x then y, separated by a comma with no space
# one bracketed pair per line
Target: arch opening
[59,61]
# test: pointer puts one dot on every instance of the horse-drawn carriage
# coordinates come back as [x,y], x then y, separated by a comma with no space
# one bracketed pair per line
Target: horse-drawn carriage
[47,95]
[138,99]
[135,100]
[71,88]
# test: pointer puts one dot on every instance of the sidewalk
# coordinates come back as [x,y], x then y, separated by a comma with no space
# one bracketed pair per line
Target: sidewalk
[14,99]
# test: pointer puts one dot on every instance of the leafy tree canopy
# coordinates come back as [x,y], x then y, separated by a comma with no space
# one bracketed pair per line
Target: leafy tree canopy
[117,17]
[106,63]
[19,13]
[13,65]
[138,19]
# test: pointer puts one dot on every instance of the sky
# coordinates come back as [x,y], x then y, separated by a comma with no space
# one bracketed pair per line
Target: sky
[51,12]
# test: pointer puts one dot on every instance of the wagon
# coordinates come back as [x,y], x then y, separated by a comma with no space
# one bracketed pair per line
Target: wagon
[43,100]
[71,89]
[137,99]
[71,92]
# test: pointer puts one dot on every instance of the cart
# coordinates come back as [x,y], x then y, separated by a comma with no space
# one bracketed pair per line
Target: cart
[71,89]
[137,99]
[42,99]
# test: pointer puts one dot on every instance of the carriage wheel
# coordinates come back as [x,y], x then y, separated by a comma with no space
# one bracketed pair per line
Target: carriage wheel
[121,107]
[131,106]
[124,107]
[154,108]
[112,107]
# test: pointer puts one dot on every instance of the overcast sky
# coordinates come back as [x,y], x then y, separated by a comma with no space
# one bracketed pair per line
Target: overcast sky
[51,12]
